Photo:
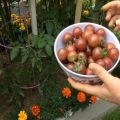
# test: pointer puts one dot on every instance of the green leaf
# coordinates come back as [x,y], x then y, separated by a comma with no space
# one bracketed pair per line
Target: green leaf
[25,58]
[49,27]
[48,49]
[51,42]
[35,41]
[50,39]
[41,42]
[25,54]
[20,38]
[39,67]
[14,52]
[30,37]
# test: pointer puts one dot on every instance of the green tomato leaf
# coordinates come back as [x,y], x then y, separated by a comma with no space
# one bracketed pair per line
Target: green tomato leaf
[35,41]
[48,49]
[20,38]
[41,42]
[25,58]
[51,42]
[49,27]
[50,39]
[14,52]
[39,67]
[25,54]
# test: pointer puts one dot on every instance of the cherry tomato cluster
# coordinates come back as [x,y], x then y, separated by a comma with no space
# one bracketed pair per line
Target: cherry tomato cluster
[83,47]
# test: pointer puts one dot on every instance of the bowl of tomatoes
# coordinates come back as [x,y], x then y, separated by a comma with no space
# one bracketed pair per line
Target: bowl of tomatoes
[80,44]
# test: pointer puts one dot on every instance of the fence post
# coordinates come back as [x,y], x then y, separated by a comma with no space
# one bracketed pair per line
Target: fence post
[33,17]
[78,10]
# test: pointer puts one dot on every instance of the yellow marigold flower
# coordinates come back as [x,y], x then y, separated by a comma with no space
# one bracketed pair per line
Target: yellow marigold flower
[13,15]
[28,21]
[66,92]
[16,21]
[85,12]
[22,115]
[22,26]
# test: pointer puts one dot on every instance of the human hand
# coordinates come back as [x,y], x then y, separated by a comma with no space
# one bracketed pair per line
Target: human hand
[113,14]
[110,90]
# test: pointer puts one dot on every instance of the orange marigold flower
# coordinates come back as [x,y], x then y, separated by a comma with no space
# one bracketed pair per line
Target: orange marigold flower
[35,110]
[66,92]
[81,97]
[17,17]
[93,99]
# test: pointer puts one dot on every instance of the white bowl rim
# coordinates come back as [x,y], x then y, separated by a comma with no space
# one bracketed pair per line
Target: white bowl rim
[77,74]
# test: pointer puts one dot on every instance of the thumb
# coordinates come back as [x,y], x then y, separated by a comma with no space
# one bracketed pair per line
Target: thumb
[118,22]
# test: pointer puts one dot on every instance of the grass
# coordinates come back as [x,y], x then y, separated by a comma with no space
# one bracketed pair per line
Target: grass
[112,115]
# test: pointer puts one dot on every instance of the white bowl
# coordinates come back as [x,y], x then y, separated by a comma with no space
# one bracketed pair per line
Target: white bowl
[110,37]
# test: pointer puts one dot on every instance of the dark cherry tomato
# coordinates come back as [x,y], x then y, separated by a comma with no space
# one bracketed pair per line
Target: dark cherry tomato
[70,66]
[89,27]
[79,68]
[97,53]
[86,34]
[94,41]
[109,45]
[89,72]
[67,37]
[72,56]
[81,44]
[101,63]
[89,52]
[114,53]
[108,62]
[70,48]
[90,60]
[77,32]
[62,54]
[82,57]
[101,32]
